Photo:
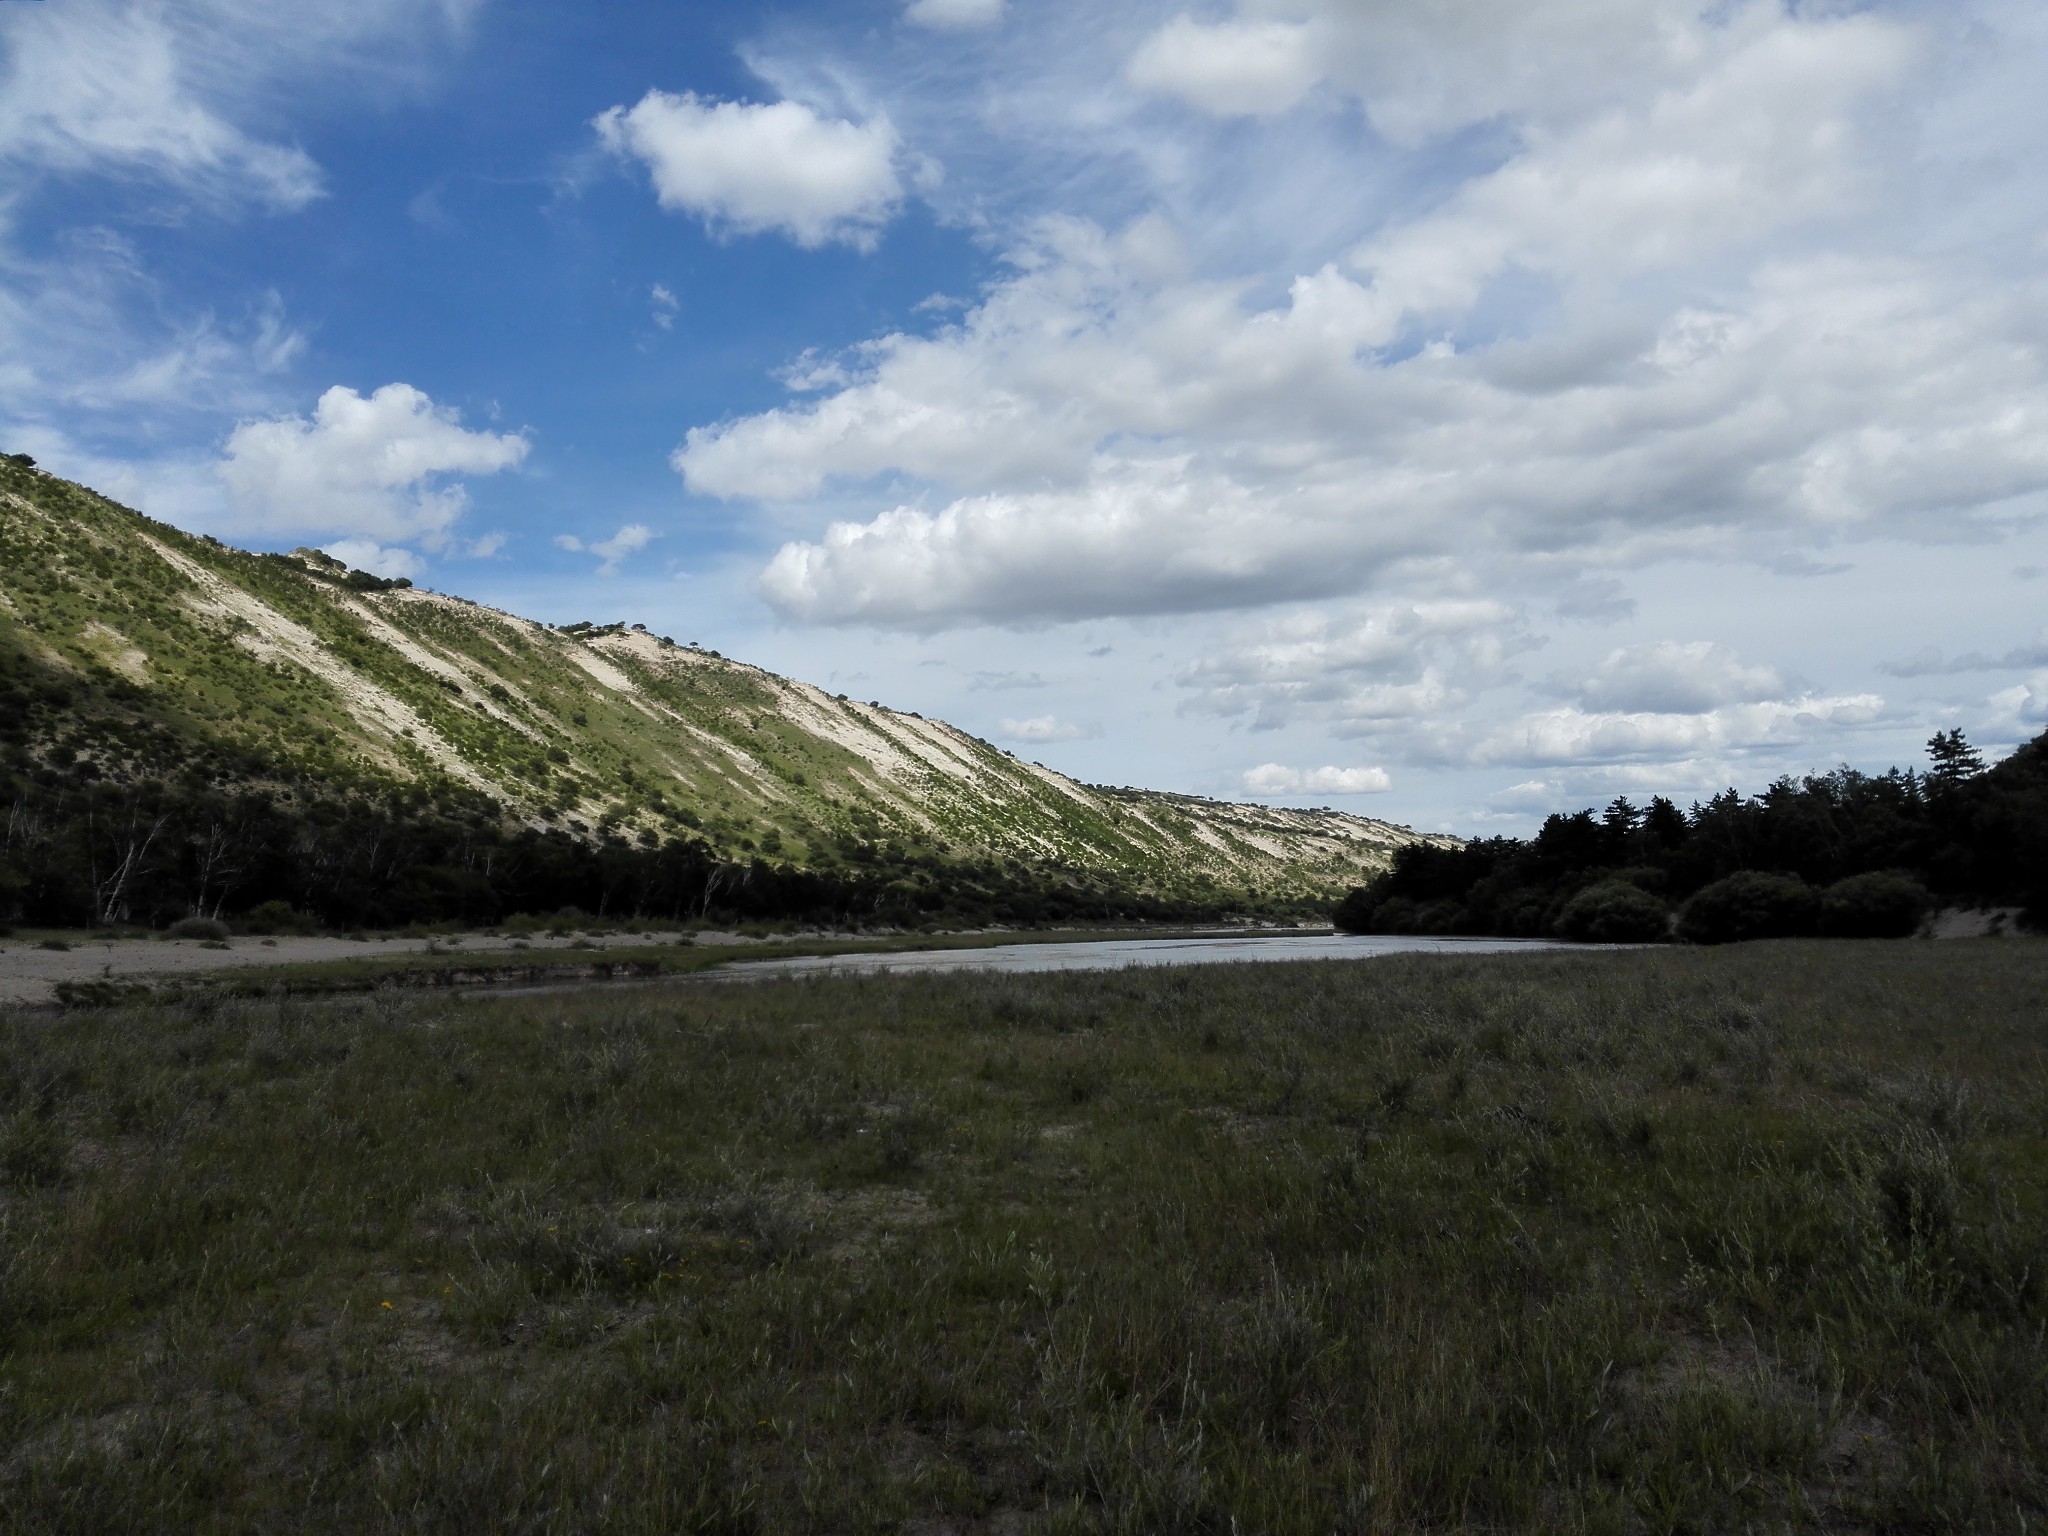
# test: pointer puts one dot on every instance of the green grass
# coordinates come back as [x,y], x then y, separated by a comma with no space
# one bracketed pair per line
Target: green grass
[1673,1240]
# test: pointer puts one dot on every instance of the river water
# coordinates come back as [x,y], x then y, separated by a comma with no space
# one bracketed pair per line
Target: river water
[1117,954]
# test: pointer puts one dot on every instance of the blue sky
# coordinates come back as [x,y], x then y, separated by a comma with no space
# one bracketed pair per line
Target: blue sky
[1448,411]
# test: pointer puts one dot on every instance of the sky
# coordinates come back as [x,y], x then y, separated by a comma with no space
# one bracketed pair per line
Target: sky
[1451,411]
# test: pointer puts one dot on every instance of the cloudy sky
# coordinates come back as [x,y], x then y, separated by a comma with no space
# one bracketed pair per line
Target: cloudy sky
[1450,410]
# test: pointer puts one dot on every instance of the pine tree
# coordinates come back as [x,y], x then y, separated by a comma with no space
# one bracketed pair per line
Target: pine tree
[1955,760]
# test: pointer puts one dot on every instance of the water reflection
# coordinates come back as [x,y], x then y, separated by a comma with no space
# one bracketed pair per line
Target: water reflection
[1117,954]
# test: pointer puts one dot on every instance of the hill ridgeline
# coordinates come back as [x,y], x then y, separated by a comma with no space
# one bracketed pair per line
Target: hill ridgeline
[160,693]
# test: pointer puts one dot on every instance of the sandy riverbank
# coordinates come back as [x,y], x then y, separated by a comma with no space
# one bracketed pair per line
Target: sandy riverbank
[29,974]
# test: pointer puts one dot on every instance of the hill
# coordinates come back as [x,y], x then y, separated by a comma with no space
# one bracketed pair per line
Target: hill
[147,674]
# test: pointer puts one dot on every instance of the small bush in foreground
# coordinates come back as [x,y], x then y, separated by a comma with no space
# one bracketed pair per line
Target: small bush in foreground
[1749,906]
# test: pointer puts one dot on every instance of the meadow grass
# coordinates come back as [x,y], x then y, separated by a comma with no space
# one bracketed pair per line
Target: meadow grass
[1664,1240]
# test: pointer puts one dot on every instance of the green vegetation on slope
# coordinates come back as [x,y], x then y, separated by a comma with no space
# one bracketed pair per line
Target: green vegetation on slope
[138,660]
[1666,1240]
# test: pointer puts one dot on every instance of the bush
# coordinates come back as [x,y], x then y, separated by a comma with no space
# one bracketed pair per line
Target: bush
[199,928]
[1614,912]
[1355,912]
[278,917]
[1884,905]
[1749,905]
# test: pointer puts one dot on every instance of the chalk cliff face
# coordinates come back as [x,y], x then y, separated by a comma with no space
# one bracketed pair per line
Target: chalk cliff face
[176,649]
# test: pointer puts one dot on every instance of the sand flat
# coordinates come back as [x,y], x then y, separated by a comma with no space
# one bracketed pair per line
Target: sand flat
[30,975]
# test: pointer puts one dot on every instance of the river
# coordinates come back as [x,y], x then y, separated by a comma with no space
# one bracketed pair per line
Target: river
[1118,954]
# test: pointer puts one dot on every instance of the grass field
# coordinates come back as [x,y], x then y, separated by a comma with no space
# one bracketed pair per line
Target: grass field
[1666,1240]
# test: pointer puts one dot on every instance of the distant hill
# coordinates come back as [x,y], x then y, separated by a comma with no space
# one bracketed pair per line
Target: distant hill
[135,656]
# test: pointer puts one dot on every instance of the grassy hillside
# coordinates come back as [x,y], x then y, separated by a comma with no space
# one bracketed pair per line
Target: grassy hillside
[132,649]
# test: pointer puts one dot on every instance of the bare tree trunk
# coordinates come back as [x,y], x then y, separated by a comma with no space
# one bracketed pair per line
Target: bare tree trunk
[220,846]
[712,881]
[130,849]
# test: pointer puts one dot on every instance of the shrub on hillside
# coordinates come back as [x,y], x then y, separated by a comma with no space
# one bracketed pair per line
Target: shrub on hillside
[199,928]
[1614,912]
[1749,905]
[1884,905]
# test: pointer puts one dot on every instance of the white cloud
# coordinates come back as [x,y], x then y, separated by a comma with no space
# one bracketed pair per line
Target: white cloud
[377,559]
[1003,682]
[2022,709]
[611,552]
[1673,678]
[372,466]
[1043,729]
[1363,672]
[1929,662]
[1573,735]
[954,15]
[1701,369]
[162,93]
[1273,779]
[487,547]
[1232,68]
[1275,455]
[105,87]
[749,168]
[178,111]
[665,304]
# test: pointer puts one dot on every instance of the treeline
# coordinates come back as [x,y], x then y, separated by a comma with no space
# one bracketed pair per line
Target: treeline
[111,815]
[150,852]
[1842,853]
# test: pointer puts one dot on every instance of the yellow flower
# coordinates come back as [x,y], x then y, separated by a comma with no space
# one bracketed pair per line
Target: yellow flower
[385,1305]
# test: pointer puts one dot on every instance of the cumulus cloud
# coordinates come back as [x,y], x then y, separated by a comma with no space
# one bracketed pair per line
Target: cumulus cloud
[1672,678]
[750,167]
[2023,708]
[1277,452]
[611,552]
[1084,553]
[954,15]
[1040,730]
[1273,779]
[1671,319]
[1358,673]
[375,466]
[1231,68]
[1574,735]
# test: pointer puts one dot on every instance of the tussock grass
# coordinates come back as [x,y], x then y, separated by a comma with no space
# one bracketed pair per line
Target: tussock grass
[1653,1241]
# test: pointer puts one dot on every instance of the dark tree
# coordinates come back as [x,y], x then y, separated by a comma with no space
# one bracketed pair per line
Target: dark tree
[1955,760]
